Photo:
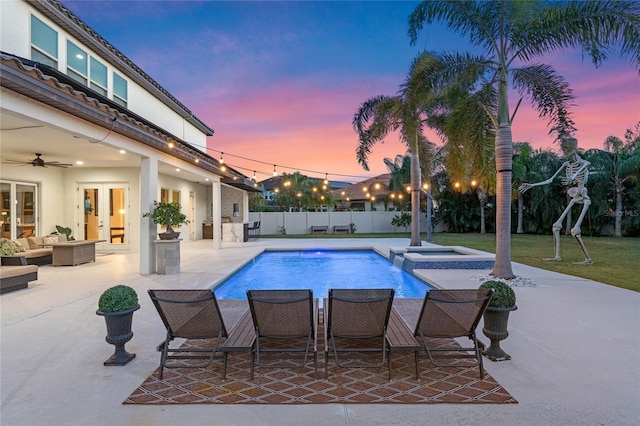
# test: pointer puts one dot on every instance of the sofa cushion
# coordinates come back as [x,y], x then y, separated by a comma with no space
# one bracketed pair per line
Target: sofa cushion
[24,243]
[35,242]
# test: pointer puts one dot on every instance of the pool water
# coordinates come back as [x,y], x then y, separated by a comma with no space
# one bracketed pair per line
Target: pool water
[320,270]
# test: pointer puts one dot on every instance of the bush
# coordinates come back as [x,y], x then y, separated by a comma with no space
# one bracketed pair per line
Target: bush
[402,220]
[503,295]
[118,298]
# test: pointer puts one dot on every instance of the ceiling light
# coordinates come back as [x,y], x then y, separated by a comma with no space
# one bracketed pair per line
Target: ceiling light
[206,179]
[79,162]
[177,170]
[122,151]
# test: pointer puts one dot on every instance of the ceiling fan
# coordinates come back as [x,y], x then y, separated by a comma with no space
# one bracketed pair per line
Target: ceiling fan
[39,162]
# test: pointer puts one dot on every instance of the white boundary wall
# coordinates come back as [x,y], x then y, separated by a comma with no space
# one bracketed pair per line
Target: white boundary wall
[296,223]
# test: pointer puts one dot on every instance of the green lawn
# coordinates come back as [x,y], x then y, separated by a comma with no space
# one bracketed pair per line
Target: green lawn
[616,261]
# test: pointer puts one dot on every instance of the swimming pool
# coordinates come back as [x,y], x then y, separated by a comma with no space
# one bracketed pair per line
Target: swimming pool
[320,270]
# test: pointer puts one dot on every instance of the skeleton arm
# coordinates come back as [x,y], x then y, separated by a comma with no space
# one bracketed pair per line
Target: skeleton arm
[526,186]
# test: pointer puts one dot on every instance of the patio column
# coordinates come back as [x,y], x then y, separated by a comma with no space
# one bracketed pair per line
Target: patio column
[148,229]
[216,213]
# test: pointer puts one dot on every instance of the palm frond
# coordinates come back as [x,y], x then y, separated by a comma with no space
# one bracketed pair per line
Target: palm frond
[551,95]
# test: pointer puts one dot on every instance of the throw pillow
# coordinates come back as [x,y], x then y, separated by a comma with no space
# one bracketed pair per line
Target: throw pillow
[50,240]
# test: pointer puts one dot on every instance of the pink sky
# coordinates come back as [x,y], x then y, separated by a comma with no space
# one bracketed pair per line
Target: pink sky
[307,127]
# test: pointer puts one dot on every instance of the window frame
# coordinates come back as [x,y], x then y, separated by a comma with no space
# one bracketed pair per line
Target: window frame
[40,50]
[119,98]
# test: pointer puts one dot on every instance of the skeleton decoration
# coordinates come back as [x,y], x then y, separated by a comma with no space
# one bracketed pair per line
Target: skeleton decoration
[576,174]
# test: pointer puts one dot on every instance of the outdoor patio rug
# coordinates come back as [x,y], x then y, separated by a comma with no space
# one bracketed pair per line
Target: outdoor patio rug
[451,385]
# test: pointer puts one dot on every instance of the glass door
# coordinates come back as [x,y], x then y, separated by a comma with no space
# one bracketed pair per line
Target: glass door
[19,210]
[105,211]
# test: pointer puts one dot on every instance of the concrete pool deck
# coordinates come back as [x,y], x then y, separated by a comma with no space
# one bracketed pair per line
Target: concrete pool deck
[574,343]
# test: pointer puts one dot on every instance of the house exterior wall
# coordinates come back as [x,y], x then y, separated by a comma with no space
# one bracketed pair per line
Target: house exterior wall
[231,196]
[143,131]
[15,38]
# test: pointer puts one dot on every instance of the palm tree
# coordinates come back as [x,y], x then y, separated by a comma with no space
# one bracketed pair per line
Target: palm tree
[400,169]
[522,165]
[618,164]
[511,34]
[460,118]
[381,115]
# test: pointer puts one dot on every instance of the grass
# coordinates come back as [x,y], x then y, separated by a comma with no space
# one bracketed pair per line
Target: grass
[615,260]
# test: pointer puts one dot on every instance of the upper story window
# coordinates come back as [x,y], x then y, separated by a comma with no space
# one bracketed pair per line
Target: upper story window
[44,43]
[119,90]
[98,73]
[77,63]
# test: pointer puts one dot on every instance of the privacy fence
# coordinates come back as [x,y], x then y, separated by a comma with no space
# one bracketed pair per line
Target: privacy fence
[295,223]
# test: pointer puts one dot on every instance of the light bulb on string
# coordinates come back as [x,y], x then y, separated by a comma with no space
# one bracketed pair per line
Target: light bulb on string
[326,178]
[221,161]
[275,173]
[254,175]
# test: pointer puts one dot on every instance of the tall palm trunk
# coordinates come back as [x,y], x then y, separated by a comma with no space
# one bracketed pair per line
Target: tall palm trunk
[520,216]
[618,220]
[415,198]
[482,197]
[504,158]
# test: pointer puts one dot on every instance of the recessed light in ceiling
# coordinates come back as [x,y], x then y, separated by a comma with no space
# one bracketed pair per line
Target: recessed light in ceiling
[177,170]
[79,162]
[122,151]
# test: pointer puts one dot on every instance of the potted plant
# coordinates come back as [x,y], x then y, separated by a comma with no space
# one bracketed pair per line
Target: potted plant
[167,215]
[117,305]
[64,231]
[10,252]
[496,317]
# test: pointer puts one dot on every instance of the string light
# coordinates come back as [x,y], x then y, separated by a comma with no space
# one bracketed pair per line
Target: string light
[254,175]
[326,178]
[221,159]
[275,173]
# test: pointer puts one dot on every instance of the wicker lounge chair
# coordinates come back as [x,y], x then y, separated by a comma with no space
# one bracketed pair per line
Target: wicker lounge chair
[355,327]
[448,314]
[285,322]
[188,314]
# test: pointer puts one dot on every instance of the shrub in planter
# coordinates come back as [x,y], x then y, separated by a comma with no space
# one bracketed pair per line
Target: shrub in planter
[496,318]
[118,298]
[117,305]
[503,294]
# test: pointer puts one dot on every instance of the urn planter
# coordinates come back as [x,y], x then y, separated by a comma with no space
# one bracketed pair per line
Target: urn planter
[118,333]
[495,328]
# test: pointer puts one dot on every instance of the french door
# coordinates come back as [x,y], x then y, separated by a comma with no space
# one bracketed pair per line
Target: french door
[104,209]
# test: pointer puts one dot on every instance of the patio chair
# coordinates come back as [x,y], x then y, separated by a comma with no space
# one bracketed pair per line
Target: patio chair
[285,323]
[188,314]
[254,231]
[355,327]
[446,315]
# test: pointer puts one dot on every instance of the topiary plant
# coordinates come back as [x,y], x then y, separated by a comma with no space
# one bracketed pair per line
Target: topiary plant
[167,215]
[118,298]
[503,294]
